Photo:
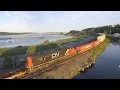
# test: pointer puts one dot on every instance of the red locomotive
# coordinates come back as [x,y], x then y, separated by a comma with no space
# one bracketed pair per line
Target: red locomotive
[29,62]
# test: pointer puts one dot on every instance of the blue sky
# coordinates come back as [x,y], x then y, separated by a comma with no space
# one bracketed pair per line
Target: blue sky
[55,21]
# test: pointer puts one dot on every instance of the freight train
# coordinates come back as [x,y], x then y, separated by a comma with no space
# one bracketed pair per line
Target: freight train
[36,60]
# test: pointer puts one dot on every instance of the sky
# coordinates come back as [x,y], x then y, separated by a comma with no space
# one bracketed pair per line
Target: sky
[55,21]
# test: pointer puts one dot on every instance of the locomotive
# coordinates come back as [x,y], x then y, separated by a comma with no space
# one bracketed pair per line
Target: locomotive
[33,61]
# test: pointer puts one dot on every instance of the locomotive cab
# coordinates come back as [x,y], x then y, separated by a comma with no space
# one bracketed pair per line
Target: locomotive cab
[29,64]
[71,50]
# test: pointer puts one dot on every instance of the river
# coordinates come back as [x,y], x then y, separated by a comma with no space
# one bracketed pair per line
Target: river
[106,65]
[27,39]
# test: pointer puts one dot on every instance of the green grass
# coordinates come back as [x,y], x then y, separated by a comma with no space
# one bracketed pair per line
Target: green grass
[31,49]
[12,51]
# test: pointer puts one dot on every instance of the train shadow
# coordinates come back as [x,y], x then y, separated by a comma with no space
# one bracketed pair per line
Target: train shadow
[14,51]
[13,56]
[44,48]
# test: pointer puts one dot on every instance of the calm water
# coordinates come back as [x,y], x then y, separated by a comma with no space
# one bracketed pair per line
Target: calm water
[27,39]
[106,66]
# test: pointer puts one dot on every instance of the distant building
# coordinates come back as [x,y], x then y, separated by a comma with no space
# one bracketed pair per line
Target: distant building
[116,35]
[92,33]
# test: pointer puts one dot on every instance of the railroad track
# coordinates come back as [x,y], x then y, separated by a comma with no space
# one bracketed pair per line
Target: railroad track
[48,65]
[59,62]
[45,66]
[63,60]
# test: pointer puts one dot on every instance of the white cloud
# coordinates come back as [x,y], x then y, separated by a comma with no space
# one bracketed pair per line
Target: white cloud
[58,20]
[20,21]
[7,13]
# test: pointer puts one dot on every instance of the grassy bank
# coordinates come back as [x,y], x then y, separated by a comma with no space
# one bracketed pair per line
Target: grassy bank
[42,47]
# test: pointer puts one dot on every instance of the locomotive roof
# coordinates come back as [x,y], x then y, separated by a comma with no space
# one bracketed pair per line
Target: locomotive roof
[49,53]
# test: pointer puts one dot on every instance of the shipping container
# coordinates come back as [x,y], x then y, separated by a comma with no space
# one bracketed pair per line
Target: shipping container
[101,38]
[95,43]
[84,48]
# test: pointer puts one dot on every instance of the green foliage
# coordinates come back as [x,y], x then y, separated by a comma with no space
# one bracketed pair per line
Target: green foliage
[8,33]
[74,33]
[7,62]
[45,47]
[61,33]
[18,46]
[46,42]
[22,60]
[105,29]
[12,51]
[31,49]
[15,58]
[113,39]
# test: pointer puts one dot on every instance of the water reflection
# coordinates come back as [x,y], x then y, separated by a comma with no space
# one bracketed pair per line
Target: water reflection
[106,65]
[114,43]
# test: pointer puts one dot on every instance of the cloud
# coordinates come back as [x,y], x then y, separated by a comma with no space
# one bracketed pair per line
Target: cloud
[41,21]
[19,20]
[7,13]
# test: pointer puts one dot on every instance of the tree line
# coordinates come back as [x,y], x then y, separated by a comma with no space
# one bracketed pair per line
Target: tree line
[109,29]
[8,33]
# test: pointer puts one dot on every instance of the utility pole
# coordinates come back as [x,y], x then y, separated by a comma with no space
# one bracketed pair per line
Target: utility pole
[110,31]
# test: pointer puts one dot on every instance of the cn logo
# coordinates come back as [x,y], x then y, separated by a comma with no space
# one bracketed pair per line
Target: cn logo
[55,55]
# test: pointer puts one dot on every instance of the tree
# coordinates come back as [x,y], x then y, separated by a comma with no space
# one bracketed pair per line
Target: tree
[15,58]
[7,61]
[61,33]
[46,42]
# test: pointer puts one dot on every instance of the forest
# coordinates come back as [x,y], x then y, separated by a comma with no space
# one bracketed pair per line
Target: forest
[109,29]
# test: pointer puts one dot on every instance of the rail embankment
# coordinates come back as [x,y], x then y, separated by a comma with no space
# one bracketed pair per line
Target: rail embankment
[74,66]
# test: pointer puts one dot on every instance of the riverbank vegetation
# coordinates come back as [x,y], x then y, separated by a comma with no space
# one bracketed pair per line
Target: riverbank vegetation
[11,33]
[10,62]
[113,39]
[110,29]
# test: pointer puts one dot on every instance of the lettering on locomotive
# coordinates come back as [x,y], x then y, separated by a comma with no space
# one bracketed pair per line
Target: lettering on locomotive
[55,55]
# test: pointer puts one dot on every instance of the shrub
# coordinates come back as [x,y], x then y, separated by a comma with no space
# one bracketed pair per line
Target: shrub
[7,62]
[15,58]
[18,46]
[46,42]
